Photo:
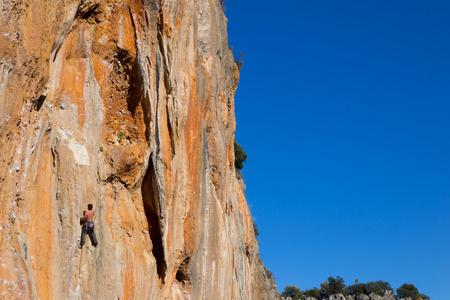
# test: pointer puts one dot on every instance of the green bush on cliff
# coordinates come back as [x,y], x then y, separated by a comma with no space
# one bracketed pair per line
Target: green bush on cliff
[239,156]
[255,229]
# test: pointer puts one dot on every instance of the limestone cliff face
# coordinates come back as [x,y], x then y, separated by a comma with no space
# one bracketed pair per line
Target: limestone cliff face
[127,105]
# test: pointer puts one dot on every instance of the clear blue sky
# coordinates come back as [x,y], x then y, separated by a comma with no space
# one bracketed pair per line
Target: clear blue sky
[344,111]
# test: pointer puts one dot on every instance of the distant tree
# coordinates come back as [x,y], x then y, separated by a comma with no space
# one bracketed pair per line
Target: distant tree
[292,291]
[324,289]
[378,287]
[424,297]
[357,288]
[314,292]
[239,156]
[332,287]
[408,290]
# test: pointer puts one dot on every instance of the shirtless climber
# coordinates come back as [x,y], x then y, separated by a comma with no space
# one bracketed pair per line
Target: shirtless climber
[87,222]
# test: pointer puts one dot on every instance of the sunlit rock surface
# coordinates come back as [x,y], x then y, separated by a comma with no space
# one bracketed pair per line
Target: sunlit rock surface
[127,105]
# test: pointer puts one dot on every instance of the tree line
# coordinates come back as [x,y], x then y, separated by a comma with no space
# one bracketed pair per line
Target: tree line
[336,285]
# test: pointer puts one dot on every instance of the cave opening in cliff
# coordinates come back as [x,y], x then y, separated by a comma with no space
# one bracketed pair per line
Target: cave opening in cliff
[183,273]
[135,93]
[39,102]
[150,199]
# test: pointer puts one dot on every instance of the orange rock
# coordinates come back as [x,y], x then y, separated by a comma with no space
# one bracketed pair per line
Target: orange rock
[127,105]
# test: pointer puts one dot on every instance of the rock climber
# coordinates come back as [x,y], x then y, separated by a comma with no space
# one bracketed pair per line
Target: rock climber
[87,223]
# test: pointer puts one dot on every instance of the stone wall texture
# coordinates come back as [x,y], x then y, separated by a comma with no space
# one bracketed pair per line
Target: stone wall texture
[128,105]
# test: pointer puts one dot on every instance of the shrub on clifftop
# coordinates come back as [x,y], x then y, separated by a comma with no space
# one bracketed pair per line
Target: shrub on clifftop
[333,286]
[378,287]
[409,290]
[314,292]
[292,291]
[357,288]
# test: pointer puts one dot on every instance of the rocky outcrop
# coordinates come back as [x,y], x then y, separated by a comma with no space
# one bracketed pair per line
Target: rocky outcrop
[337,297]
[127,105]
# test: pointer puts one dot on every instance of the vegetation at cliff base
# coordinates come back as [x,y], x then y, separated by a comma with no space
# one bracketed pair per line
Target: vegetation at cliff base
[336,285]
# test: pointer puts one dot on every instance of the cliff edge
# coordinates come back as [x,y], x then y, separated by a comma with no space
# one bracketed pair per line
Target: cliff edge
[128,105]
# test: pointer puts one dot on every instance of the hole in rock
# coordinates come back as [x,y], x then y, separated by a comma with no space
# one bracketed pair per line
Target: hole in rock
[90,11]
[39,102]
[183,273]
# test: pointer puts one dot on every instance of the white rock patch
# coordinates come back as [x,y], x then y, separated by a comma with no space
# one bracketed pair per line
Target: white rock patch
[79,151]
